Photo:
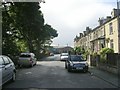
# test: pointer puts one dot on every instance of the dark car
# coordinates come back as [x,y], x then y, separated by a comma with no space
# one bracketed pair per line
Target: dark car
[7,70]
[76,62]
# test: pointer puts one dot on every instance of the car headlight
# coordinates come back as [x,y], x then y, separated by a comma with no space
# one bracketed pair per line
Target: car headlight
[86,64]
[71,64]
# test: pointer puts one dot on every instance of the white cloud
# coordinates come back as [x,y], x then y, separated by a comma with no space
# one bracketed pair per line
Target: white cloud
[71,17]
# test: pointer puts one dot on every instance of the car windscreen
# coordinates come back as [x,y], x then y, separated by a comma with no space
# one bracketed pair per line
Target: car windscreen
[1,61]
[76,58]
[23,55]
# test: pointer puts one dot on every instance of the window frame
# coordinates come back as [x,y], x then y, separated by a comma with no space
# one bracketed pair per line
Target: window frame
[112,44]
[110,28]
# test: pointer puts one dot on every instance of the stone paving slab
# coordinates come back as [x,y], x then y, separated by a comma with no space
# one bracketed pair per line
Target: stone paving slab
[106,76]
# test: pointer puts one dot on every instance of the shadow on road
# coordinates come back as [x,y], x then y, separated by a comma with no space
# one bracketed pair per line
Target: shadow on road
[78,72]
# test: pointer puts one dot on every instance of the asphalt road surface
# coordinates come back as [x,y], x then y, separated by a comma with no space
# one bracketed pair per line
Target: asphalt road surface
[51,73]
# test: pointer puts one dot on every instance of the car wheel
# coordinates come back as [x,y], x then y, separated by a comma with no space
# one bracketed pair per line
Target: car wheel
[20,66]
[69,70]
[65,66]
[31,65]
[13,77]
[35,63]
[85,70]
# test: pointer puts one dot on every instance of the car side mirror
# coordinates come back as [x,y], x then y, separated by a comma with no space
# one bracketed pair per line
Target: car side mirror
[2,66]
[5,64]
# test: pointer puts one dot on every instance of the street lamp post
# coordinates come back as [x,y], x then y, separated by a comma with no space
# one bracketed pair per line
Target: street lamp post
[0,28]
[118,19]
[118,61]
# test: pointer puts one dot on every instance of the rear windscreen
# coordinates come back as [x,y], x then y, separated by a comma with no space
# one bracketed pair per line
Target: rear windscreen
[76,58]
[64,54]
[25,56]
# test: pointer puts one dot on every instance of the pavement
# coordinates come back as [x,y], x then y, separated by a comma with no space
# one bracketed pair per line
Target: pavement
[106,76]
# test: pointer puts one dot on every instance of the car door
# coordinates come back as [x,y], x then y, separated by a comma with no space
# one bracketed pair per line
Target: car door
[7,69]
[1,70]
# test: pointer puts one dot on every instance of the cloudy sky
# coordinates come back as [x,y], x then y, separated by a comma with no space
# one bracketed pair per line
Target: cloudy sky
[71,17]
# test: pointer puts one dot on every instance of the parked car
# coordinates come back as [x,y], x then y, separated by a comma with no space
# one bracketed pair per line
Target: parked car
[27,59]
[76,62]
[64,56]
[7,70]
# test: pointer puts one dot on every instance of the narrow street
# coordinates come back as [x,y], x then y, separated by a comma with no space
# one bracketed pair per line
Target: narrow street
[85,33]
[52,74]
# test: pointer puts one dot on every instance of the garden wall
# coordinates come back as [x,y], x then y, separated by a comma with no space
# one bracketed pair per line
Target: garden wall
[110,64]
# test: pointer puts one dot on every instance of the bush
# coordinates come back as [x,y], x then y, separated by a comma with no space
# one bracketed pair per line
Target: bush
[106,50]
[103,53]
[94,54]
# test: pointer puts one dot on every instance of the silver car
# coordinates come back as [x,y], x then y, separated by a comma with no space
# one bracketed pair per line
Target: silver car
[7,70]
[27,59]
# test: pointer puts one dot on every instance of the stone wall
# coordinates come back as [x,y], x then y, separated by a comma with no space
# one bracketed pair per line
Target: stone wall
[111,65]
[108,68]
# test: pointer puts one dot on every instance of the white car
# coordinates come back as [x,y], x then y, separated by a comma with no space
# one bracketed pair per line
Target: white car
[7,70]
[27,59]
[64,56]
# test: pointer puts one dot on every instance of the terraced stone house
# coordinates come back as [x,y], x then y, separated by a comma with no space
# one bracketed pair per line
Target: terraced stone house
[106,34]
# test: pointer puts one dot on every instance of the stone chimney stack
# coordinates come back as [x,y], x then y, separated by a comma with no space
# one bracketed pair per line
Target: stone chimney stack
[108,18]
[101,21]
[114,12]
[88,30]
[84,33]
[81,35]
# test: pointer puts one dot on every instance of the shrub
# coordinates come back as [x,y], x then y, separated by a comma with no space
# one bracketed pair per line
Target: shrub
[94,54]
[103,53]
[106,50]
[85,54]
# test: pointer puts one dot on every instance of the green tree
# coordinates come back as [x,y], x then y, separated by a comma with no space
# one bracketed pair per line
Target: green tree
[8,35]
[49,34]
[78,49]
[23,26]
